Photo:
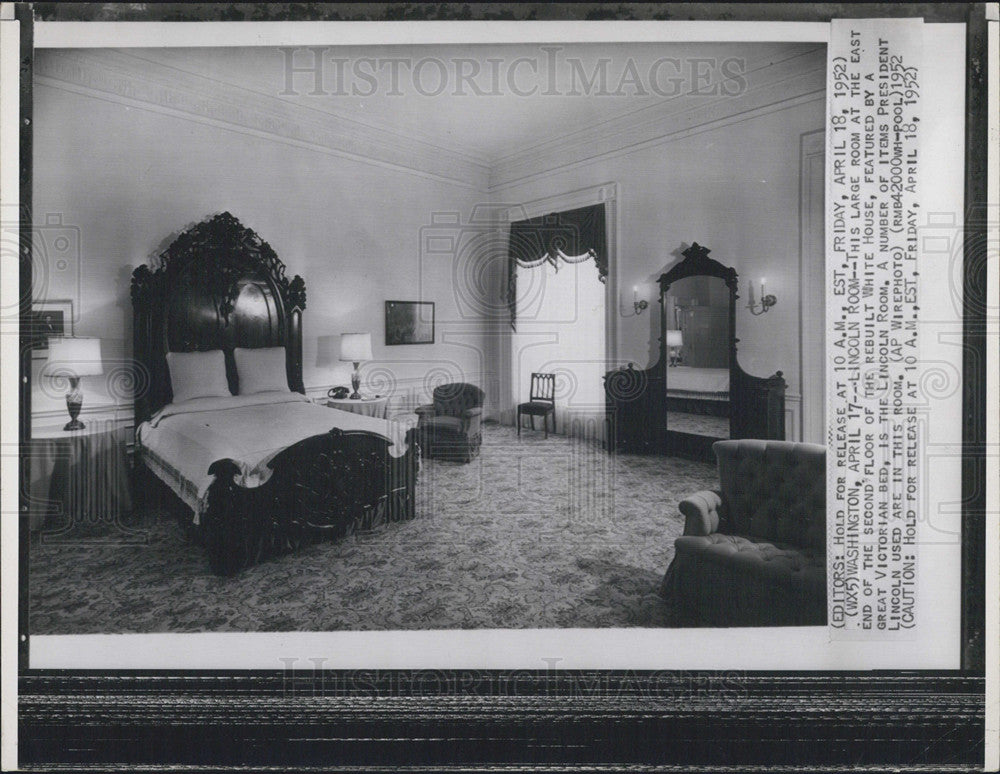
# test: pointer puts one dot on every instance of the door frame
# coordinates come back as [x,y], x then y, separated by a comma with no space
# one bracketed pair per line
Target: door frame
[606,194]
[812,290]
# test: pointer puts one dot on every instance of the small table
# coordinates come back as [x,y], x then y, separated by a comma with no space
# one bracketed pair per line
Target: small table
[369,407]
[78,476]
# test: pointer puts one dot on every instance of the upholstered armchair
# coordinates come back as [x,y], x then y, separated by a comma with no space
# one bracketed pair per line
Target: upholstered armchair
[451,427]
[753,552]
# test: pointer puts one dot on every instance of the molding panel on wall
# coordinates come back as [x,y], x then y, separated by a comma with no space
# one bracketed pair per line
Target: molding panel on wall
[793,417]
[812,287]
[133,81]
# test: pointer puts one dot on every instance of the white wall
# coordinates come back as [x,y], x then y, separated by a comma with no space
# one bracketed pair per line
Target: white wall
[129,179]
[734,189]
[130,165]
[560,330]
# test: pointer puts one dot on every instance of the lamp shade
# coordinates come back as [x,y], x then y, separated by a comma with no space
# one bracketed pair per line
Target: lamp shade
[78,356]
[355,347]
[675,339]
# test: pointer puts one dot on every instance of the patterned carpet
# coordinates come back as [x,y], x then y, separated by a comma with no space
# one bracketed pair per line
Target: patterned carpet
[698,424]
[535,533]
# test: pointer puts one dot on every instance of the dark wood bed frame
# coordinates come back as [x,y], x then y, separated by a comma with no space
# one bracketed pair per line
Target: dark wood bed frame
[220,286]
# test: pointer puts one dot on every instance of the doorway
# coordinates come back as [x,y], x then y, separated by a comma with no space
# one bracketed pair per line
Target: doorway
[565,324]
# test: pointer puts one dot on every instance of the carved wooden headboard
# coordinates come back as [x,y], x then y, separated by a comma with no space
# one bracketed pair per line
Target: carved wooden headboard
[218,286]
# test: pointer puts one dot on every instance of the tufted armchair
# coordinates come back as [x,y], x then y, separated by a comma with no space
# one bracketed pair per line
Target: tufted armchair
[753,552]
[451,427]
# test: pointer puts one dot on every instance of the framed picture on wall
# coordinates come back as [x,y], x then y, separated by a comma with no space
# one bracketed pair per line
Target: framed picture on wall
[49,318]
[409,322]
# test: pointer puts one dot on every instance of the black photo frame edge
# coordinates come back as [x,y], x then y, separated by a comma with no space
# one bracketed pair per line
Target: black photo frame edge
[40,353]
[415,304]
[487,720]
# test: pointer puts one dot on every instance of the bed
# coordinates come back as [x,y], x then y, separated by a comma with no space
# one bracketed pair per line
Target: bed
[698,390]
[253,474]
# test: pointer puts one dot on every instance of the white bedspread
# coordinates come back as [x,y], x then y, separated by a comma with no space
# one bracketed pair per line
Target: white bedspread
[182,440]
[698,379]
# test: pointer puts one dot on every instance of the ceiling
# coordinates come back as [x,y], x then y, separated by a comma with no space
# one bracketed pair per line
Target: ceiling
[487,102]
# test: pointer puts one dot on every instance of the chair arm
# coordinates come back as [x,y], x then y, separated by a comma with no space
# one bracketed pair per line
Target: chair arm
[702,512]
[424,412]
[472,419]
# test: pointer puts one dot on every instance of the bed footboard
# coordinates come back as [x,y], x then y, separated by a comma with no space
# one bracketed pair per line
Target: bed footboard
[327,486]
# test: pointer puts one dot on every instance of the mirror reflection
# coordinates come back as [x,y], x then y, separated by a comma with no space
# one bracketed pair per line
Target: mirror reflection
[698,348]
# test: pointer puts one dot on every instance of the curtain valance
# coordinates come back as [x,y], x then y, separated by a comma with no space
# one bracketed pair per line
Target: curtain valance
[572,236]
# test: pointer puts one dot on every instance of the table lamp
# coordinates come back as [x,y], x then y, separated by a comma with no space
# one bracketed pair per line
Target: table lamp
[74,357]
[675,340]
[356,348]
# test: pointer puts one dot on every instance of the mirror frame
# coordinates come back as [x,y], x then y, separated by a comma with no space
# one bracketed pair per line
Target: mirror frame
[696,263]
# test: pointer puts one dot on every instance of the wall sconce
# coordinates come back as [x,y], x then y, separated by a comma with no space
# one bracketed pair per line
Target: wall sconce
[639,305]
[766,301]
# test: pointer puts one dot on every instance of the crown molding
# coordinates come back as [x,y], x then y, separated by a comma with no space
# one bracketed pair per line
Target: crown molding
[774,86]
[136,82]
[124,78]
[581,197]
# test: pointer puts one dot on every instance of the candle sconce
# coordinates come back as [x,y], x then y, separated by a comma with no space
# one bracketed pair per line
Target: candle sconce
[639,305]
[766,300]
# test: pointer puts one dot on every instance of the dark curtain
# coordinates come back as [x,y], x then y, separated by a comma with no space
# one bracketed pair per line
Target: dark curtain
[537,240]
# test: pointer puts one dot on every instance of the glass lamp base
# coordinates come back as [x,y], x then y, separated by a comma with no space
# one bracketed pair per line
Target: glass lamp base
[74,402]
[356,383]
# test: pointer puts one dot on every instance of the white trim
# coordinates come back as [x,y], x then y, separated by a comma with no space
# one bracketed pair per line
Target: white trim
[316,33]
[664,139]
[580,197]
[781,63]
[127,79]
[10,111]
[792,83]
[603,193]
[992,550]
[139,83]
[793,417]
[812,297]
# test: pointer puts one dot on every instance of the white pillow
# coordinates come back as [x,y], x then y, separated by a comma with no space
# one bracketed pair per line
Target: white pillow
[261,370]
[198,375]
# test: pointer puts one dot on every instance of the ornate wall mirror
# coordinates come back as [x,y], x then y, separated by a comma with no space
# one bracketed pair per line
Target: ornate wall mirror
[697,352]
[698,341]
[696,393]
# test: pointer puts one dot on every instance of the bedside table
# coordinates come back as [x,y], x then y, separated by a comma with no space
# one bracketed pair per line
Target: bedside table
[369,407]
[77,476]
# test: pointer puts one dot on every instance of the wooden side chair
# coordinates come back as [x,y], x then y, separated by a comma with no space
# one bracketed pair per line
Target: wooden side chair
[541,402]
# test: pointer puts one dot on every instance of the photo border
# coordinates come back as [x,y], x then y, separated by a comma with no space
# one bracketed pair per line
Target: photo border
[478,720]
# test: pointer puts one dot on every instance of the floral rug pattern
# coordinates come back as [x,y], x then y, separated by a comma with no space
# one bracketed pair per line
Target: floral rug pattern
[535,533]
